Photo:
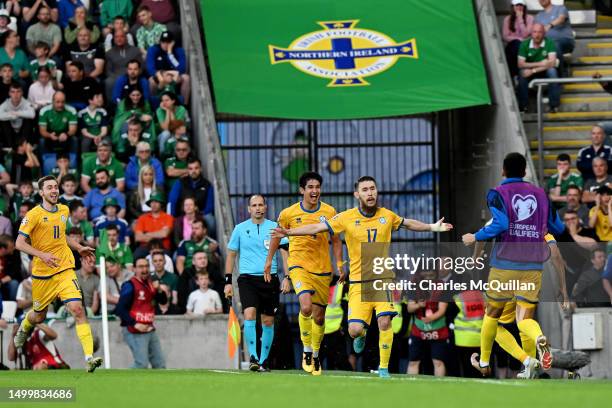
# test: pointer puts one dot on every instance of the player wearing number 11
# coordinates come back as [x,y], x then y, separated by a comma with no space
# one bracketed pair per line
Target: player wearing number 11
[366,223]
[42,235]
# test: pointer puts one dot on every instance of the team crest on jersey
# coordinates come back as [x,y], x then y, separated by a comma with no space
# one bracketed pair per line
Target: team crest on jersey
[297,284]
[24,221]
[343,53]
[382,220]
[298,220]
[36,304]
[63,218]
[322,218]
[45,219]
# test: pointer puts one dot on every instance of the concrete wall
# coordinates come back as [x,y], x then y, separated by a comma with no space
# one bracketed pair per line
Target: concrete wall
[601,360]
[186,343]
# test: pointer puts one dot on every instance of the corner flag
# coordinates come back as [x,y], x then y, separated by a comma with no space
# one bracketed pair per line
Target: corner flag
[233,333]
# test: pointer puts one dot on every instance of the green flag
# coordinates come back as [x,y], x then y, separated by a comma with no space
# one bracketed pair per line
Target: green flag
[343,59]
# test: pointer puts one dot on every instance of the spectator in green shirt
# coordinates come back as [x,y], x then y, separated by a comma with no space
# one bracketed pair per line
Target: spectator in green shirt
[559,183]
[176,166]
[112,248]
[58,126]
[102,160]
[538,59]
[12,54]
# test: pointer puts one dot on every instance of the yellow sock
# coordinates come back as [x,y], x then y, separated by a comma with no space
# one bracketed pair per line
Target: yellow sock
[528,345]
[83,332]
[385,341]
[305,331]
[530,328]
[507,341]
[487,337]
[26,325]
[317,337]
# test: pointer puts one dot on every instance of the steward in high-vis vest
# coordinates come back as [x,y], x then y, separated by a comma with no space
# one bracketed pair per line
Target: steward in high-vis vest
[333,348]
[467,324]
[136,308]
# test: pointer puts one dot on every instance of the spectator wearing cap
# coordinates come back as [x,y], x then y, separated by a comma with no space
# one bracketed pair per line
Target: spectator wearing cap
[136,308]
[94,199]
[110,211]
[77,86]
[89,54]
[111,246]
[29,10]
[516,28]
[111,9]
[78,218]
[44,31]
[195,185]
[102,160]
[155,224]
[115,277]
[93,122]
[137,202]
[166,58]
[598,148]
[118,57]
[143,157]
[132,78]
[176,165]
[600,171]
[57,125]
[16,117]
[80,20]
[66,10]
[6,23]
[149,32]
[600,216]
[564,178]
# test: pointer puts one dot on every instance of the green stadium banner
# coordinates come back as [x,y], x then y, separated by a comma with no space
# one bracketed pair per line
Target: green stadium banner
[343,59]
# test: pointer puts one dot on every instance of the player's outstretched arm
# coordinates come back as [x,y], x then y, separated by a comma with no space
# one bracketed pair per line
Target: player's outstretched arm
[415,225]
[310,229]
[21,244]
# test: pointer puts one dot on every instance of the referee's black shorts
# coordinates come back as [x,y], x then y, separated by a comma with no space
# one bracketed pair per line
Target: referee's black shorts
[256,292]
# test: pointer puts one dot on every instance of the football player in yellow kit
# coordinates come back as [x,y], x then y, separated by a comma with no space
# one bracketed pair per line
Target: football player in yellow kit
[309,263]
[366,223]
[42,235]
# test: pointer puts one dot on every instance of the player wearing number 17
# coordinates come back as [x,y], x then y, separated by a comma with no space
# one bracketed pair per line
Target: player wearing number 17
[42,235]
[366,223]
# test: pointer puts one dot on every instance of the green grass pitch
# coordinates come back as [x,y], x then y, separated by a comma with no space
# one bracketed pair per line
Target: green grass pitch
[293,389]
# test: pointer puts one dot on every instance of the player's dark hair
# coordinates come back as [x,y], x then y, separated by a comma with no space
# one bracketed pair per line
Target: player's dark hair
[102,170]
[514,165]
[564,157]
[310,175]
[68,177]
[43,180]
[112,227]
[257,195]
[364,179]
[75,205]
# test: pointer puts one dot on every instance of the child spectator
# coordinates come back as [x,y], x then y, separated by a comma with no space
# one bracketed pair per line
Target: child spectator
[69,185]
[41,91]
[110,209]
[24,193]
[559,183]
[62,167]
[78,218]
[204,300]
[93,122]
[41,52]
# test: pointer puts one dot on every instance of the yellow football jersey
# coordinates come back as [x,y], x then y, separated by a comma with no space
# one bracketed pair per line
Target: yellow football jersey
[308,252]
[47,232]
[359,228]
